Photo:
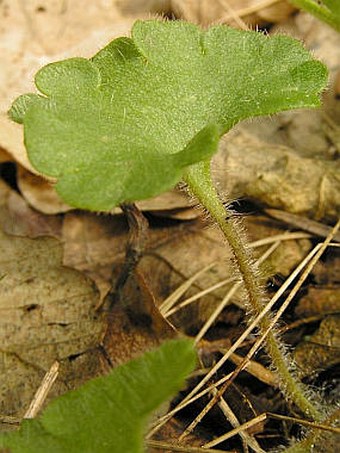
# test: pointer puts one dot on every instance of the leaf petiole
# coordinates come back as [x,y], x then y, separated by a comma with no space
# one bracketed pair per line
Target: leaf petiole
[198,179]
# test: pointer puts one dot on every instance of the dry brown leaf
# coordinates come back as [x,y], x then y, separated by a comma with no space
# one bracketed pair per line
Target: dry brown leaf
[175,254]
[17,218]
[40,193]
[308,132]
[286,256]
[169,434]
[317,229]
[94,244]
[202,12]
[328,273]
[169,201]
[134,323]
[337,84]
[11,139]
[319,301]
[143,7]
[255,12]
[332,130]
[276,12]
[278,177]
[47,314]
[205,12]
[4,156]
[321,350]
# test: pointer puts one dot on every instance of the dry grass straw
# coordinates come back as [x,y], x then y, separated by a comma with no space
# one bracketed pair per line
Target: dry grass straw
[305,267]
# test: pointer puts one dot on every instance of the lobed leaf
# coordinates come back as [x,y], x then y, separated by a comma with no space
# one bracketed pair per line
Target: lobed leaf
[107,414]
[124,125]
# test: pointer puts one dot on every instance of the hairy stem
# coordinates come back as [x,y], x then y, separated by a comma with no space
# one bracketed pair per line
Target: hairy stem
[315,436]
[198,179]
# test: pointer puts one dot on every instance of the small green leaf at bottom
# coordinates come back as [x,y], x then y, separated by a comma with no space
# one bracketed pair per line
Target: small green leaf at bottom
[108,414]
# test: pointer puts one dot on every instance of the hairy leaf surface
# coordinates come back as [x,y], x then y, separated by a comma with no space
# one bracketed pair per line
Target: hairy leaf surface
[124,125]
[108,414]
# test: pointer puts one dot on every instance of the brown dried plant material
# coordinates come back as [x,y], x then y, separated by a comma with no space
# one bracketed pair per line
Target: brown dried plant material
[40,193]
[332,129]
[318,229]
[201,12]
[286,256]
[4,156]
[178,253]
[134,323]
[321,350]
[143,7]
[255,12]
[208,348]
[95,244]
[206,12]
[278,177]
[328,273]
[319,301]
[169,433]
[276,12]
[19,219]
[337,84]
[47,314]
[11,138]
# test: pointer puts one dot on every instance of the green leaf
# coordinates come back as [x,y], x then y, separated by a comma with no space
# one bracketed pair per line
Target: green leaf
[126,124]
[325,10]
[108,414]
[21,105]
